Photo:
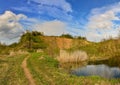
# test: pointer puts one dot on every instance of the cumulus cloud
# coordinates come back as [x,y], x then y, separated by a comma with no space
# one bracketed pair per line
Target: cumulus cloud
[101,22]
[94,35]
[51,27]
[10,27]
[103,17]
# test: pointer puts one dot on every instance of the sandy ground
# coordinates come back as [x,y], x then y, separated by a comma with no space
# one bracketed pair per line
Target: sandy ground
[27,72]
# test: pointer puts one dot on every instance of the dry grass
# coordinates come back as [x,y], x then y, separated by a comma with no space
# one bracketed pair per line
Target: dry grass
[11,72]
[19,52]
[75,56]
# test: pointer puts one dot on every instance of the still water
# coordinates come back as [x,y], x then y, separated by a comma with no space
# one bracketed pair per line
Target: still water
[109,68]
[99,70]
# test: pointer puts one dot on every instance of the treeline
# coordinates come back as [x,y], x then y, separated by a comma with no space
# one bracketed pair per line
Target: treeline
[70,36]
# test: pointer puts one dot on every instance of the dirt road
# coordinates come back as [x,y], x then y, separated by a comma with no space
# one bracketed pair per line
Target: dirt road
[27,72]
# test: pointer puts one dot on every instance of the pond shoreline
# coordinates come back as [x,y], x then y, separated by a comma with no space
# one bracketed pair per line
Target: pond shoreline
[107,68]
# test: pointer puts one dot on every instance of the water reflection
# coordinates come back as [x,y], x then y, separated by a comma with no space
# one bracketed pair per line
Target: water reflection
[100,70]
[109,68]
[111,62]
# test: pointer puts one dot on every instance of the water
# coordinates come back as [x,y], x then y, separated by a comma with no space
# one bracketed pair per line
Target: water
[98,70]
[109,68]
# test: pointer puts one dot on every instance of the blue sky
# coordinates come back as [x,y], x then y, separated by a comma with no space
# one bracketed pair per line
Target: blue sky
[94,19]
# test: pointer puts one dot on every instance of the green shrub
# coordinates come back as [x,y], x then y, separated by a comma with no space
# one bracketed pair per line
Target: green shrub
[67,36]
[83,38]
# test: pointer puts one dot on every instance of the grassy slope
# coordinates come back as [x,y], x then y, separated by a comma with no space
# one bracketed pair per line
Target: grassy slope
[101,50]
[11,72]
[46,72]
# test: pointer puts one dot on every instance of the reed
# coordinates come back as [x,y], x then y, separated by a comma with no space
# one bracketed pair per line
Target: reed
[72,57]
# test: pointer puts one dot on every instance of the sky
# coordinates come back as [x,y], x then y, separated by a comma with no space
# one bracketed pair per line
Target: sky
[94,19]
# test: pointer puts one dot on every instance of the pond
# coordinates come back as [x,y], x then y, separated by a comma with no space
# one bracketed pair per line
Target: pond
[105,68]
[99,70]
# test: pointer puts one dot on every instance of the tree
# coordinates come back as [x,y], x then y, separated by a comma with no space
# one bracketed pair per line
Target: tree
[83,38]
[67,36]
[32,40]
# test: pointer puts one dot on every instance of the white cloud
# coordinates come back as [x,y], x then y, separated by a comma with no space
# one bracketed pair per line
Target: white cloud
[94,35]
[10,28]
[62,4]
[59,9]
[101,22]
[26,9]
[54,12]
[103,17]
[51,27]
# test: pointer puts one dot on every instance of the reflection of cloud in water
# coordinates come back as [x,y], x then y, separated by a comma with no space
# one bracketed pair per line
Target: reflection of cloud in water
[100,70]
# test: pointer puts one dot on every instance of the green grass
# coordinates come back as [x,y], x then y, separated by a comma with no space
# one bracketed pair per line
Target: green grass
[46,72]
[99,51]
[11,72]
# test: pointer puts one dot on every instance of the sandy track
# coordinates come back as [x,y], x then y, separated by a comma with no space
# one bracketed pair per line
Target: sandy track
[27,72]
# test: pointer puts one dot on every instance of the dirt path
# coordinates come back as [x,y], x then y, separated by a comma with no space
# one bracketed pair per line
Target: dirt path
[27,72]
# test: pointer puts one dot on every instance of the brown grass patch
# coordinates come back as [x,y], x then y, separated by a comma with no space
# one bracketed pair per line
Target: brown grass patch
[75,56]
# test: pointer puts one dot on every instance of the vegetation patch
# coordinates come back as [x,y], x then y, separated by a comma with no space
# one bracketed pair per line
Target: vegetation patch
[11,72]
[46,72]
[72,57]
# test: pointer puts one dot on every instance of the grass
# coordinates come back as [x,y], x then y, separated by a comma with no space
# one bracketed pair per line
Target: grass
[99,51]
[45,71]
[11,72]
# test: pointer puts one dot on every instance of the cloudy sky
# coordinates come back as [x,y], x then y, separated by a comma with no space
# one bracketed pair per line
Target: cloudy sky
[94,19]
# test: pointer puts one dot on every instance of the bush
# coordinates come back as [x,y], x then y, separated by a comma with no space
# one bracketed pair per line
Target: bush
[83,38]
[35,33]
[67,36]
[32,40]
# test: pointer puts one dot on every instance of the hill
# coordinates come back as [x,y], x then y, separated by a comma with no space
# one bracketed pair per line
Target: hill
[37,53]
[36,41]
